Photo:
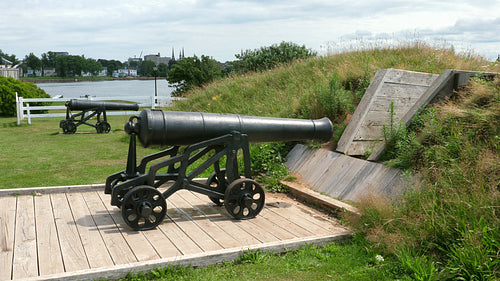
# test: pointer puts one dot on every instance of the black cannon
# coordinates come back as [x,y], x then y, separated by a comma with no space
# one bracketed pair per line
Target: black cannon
[94,108]
[217,138]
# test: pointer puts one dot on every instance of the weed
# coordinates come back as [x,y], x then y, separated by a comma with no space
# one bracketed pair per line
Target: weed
[267,164]
[253,257]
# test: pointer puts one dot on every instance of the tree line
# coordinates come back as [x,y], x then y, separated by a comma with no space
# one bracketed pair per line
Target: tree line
[194,72]
[184,74]
[74,65]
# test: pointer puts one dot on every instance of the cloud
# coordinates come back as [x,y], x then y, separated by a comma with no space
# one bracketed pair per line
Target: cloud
[118,29]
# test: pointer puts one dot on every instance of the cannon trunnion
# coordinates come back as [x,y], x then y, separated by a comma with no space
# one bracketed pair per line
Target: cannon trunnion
[70,124]
[198,142]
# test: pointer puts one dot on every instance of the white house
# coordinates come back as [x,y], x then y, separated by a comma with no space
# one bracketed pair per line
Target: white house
[9,71]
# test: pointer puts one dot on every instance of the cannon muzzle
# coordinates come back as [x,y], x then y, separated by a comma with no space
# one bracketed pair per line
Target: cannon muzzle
[75,104]
[157,127]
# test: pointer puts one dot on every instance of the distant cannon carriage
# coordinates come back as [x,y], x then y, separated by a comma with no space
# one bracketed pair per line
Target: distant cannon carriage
[89,109]
[214,139]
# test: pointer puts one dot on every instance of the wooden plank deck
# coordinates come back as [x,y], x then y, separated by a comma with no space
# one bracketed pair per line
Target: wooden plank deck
[74,233]
[345,177]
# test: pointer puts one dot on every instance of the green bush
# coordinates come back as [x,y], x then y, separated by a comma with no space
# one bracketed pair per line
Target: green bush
[270,57]
[8,89]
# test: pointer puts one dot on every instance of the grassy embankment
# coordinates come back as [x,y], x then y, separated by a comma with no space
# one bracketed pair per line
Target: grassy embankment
[448,229]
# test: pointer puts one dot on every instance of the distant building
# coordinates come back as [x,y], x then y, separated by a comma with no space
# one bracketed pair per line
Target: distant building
[9,71]
[125,72]
[49,72]
[157,59]
[32,73]
[103,72]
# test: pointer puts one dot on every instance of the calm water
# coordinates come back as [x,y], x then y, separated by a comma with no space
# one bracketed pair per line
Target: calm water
[107,88]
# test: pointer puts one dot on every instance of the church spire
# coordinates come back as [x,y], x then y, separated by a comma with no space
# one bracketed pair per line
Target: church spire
[173,56]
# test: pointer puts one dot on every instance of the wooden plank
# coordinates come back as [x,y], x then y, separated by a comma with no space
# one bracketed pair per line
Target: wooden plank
[360,147]
[200,259]
[49,252]
[162,244]
[301,190]
[158,240]
[179,238]
[25,258]
[289,212]
[7,230]
[50,189]
[115,243]
[253,233]
[196,233]
[73,254]
[187,205]
[243,234]
[286,223]
[136,240]
[409,77]
[361,110]
[92,242]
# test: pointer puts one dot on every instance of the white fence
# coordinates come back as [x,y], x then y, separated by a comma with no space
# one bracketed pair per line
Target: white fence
[24,109]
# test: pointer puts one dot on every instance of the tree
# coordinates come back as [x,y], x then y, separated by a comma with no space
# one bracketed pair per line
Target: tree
[49,59]
[11,58]
[147,68]
[269,57]
[33,62]
[111,65]
[162,69]
[92,66]
[192,72]
[67,65]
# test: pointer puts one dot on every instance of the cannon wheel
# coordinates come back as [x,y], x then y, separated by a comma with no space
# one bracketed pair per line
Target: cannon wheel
[68,126]
[103,127]
[244,198]
[214,185]
[143,207]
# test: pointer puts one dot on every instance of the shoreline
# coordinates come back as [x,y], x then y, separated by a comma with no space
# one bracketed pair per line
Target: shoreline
[81,79]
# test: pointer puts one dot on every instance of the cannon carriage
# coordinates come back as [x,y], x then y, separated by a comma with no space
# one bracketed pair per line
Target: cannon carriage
[198,142]
[89,109]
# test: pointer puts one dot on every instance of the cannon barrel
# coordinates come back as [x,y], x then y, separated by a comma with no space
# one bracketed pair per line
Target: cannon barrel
[75,104]
[157,127]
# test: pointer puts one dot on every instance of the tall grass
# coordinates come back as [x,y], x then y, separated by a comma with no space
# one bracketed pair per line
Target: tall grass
[452,223]
[283,91]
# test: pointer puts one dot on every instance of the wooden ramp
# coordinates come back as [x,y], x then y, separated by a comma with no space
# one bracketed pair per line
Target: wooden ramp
[73,233]
[344,177]
[406,92]
[400,88]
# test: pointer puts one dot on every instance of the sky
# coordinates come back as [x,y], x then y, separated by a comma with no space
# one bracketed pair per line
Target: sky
[122,29]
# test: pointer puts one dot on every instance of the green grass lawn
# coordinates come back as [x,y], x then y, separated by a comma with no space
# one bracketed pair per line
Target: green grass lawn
[40,155]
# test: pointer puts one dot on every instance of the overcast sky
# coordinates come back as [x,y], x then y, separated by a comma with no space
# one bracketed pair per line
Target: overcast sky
[119,29]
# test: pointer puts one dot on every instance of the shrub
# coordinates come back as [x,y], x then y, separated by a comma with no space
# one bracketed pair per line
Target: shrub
[270,57]
[9,87]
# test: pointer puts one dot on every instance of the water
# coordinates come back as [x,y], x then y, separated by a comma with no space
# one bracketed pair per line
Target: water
[114,88]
